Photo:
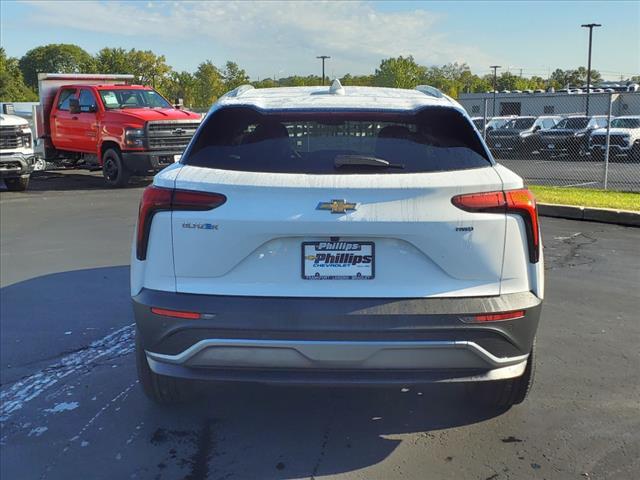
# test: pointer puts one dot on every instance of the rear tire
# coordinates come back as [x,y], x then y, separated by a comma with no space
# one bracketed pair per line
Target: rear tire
[17,184]
[506,393]
[114,171]
[162,390]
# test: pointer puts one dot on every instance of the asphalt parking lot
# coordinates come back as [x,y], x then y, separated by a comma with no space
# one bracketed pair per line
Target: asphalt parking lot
[71,406]
[576,172]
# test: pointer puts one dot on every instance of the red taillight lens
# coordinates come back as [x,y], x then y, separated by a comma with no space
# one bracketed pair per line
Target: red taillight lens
[154,199]
[495,317]
[157,199]
[175,313]
[521,202]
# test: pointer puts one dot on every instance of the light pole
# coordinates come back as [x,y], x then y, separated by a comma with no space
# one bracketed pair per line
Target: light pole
[495,80]
[323,58]
[590,26]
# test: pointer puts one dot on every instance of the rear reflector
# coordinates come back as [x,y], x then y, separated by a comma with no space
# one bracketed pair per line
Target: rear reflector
[157,199]
[520,202]
[175,313]
[495,317]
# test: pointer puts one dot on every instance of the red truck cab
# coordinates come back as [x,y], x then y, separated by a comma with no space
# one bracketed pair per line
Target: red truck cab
[124,129]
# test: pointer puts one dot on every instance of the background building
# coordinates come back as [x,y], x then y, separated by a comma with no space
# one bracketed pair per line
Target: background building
[536,104]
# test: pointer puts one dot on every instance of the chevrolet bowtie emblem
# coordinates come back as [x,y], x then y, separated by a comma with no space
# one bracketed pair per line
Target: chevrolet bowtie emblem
[336,206]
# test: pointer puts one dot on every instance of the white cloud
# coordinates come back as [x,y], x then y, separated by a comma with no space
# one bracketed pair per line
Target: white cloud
[274,35]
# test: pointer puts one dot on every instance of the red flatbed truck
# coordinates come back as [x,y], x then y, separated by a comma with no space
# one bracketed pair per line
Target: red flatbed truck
[102,121]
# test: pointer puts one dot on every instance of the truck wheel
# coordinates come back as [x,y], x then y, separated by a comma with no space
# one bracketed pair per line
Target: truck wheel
[113,169]
[17,184]
[506,393]
[162,390]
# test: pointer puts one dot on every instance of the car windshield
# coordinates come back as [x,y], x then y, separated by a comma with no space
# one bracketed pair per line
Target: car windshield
[132,98]
[573,123]
[625,123]
[320,142]
[519,123]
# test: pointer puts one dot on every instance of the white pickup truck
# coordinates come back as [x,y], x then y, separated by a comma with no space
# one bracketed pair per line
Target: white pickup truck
[16,152]
[624,139]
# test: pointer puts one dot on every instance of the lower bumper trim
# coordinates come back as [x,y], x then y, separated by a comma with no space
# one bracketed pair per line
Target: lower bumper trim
[328,355]
[336,377]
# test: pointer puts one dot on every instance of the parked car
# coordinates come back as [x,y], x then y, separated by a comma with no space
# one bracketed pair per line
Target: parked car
[478,122]
[102,121]
[624,139]
[16,152]
[570,137]
[337,235]
[517,136]
[497,122]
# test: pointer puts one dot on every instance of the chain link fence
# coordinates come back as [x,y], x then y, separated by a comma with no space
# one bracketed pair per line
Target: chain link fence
[571,140]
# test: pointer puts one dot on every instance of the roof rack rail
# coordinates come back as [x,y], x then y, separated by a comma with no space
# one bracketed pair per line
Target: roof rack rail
[429,90]
[239,91]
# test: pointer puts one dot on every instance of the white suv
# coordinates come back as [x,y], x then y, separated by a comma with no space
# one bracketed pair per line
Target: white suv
[342,235]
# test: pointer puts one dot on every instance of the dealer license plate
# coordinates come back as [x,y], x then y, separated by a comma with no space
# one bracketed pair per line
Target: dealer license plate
[338,260]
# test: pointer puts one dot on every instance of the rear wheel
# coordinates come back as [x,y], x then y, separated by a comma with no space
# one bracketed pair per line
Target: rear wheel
[507,393]
[114,171]
[162,390]
[17,184]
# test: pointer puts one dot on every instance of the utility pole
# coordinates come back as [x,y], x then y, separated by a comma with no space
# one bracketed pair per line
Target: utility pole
[495,80]
[590,26]
[323,58]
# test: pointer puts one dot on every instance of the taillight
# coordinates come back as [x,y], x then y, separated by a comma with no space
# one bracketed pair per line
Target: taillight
[157,199]
[521,202]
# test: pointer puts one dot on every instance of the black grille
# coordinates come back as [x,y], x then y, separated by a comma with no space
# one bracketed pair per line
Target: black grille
[170,135]
[10,137]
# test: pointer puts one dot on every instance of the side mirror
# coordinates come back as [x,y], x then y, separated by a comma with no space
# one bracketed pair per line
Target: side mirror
[179,103]
[74,105]
[536,128]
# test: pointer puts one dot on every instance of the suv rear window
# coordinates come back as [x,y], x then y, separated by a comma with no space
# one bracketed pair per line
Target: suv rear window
[318,142]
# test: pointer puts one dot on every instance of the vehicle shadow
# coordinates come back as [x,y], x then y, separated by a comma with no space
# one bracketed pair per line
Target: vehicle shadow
[73,179]
[258,431]
[46,316]
[232,430]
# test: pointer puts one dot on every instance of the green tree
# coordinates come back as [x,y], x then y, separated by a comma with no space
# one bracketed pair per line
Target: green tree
[55,58]
[148,68]
[208,84]
[234,76]
[265,83]
[358,80]
[178,85]
[574,78]
[113,60]
[12,86]
[400,72]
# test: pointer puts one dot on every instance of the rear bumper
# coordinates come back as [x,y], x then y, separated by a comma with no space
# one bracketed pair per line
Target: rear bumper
[323,340]
[142,162]
[15,165]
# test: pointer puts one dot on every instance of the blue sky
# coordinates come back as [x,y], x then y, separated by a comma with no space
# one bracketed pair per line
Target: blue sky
[281,39]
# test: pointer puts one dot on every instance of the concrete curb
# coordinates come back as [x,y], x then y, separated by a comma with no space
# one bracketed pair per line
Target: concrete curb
[603,215]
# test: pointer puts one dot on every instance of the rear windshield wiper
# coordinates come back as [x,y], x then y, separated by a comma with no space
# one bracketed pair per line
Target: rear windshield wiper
[363,161]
